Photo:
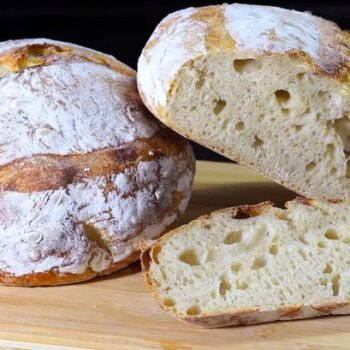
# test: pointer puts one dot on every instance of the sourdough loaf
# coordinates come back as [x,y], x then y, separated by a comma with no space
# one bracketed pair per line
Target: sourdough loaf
[85,171]
[264,86]
[254,264]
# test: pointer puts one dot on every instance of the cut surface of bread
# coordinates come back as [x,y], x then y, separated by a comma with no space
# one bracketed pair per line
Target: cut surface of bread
[254,264]
[264,86]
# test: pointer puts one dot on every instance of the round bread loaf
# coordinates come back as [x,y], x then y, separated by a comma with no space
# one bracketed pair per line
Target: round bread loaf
[86,172]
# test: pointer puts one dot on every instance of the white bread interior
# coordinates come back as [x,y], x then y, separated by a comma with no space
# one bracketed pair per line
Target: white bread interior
[272,113]
[255,264]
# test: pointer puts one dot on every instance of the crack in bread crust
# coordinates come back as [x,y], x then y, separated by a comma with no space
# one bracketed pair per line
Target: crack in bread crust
[26,55]
[31,174]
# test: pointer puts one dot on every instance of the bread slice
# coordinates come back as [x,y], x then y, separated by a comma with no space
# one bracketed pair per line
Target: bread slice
[264,86]
[254,264]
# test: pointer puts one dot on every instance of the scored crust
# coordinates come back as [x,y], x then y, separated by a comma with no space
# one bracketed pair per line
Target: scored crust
[85,170]
[239,316]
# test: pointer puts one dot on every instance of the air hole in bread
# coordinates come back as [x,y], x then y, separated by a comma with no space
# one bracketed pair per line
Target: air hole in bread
[210,256]
[235,267]
[336,284]
[328,268]
[225,124]
[207,226]
[330,149]
[242,285]
[347,172]
[300,76]
[333,171]
[193,108]
[201,80]
[285,111]
[282,96]
[323,281]
[190,257]
[246,65]
[323,94]
[257,142]
[342,128]
[233,237]
[224,287]
[197,275]
[331,234]
[346,240]
[259,263]
[213,294]
[306,112]
[275,281]
[239,126]
[169,302]
[155,253]
[273,249]
[310,166]
[302,239]
[283,215]
[298,128]
[219,105]
[275,238]
[193,310]
[322,244]
[302,254]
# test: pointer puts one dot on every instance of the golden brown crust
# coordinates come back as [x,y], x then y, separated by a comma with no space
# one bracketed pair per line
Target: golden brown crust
[31,55]
[31,174]
[51,278]
[217,38]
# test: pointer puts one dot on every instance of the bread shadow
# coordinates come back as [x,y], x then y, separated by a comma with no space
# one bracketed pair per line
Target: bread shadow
[213,197]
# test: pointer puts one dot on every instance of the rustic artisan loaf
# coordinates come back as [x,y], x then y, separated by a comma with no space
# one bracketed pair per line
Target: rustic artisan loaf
[264,86]
[254,264]
[85,171]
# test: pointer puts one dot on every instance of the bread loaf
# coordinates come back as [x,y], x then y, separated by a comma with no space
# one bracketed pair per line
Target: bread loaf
[264,86]
[85,171]
[254,264]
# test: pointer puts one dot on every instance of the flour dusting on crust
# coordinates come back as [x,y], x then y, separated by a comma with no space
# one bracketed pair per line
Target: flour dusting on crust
[274,29]
[69,107]
[171,47]
[46,230]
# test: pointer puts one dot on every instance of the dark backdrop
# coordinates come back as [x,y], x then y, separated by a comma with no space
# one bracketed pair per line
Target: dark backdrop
[121,28]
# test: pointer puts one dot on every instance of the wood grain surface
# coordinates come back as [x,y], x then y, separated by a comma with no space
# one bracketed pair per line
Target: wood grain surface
[117,312]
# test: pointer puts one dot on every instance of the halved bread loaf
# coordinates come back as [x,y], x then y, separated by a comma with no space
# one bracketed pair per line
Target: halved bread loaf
[264,86]
[254,264]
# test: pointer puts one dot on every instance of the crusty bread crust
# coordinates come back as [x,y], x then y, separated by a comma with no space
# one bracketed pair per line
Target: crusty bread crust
[85,171]
[54,277]
[238,317]
[203,31]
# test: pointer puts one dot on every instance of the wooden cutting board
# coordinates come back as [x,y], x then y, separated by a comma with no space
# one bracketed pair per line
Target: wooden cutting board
[117,312]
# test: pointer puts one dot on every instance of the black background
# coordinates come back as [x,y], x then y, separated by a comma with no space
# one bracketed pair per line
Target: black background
[121,28]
